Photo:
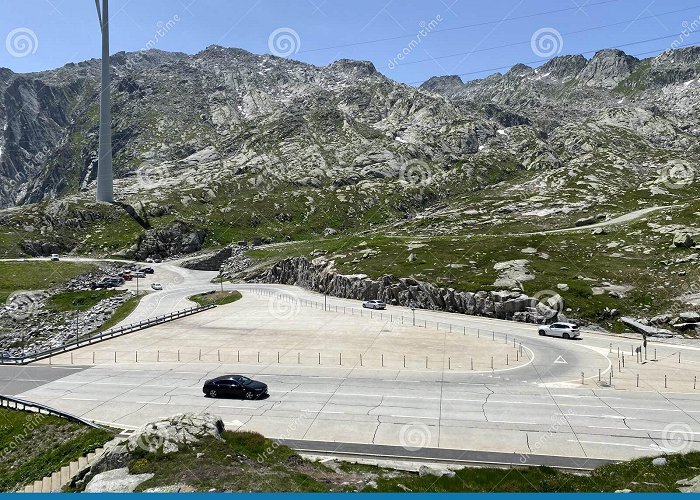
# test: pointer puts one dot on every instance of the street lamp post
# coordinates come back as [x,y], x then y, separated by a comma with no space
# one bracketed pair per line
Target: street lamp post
[137,286]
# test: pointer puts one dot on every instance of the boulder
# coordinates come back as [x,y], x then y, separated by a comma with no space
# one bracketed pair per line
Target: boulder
[683,240]
[116,481]
[170,433]
[689,317]
[639,327]
[586,221]
[659,461]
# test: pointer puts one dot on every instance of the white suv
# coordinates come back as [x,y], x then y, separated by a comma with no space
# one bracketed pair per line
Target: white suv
[563,330]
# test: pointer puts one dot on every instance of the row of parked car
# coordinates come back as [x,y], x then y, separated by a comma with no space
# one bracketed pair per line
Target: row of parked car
[124,276]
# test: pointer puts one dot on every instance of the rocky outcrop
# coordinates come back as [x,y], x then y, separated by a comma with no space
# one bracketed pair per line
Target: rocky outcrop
[607,68]
[36,248]
[167,435]
[320,275]
[209,262]
[175,239]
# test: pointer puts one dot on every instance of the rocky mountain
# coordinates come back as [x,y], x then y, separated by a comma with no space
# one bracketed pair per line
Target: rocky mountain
[225,145]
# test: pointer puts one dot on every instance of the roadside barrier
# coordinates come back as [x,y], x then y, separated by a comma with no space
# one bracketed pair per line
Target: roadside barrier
[24,405]
[100,337]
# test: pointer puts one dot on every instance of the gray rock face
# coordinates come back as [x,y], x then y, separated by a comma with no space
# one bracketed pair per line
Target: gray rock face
[209,262]
[645,329]
[608,68]
[176,239]
[320,274]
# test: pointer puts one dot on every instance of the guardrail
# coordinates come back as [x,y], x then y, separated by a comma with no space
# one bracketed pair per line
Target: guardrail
[15,403]
[109,334]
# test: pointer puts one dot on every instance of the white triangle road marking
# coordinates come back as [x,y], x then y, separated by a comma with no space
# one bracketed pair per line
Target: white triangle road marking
[560,361]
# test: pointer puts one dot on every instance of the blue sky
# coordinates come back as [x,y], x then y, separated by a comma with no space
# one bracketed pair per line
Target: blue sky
[43,34]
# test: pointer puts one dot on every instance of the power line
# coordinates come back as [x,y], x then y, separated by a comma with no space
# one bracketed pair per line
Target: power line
[638,54]
[514,44]
[475,25]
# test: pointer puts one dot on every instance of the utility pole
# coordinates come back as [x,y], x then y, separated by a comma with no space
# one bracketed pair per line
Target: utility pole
[105,190]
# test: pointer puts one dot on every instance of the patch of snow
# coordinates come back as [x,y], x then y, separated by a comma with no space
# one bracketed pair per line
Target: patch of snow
[501,131]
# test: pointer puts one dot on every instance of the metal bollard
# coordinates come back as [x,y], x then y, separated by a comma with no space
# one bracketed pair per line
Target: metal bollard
[449,363]
[492,362]
[218,355]
[361,360]
[382,361]
[426,361]
[507,361]
[472,363]
[679,356]
[136,357]
[278,357]
[319,358]
[258,356]
[238,356]
[298,358]
[158,355]
[71,358]
[665,382]
[695,381]
[638,380]
[623,361]
[93,357]
[598,374]
[340,359]
[582,378]
[404,361]
[115,356]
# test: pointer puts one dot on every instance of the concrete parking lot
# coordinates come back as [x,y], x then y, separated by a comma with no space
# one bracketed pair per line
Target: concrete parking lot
[534,402]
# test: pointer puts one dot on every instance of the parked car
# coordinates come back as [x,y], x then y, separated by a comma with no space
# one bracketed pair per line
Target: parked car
[138,274]
[147,270]
[149,260]
[157,260]
[374,304]
[117,280]
[563,330]
[156,286]
[103,284]
[55,257]
[126,275]
[234,386]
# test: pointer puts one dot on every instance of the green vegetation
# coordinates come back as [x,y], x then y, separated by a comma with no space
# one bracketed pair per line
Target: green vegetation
[243,461]
[37,275]
[81,301]
[246,461]
[216,298]
[121,313]
[33,445]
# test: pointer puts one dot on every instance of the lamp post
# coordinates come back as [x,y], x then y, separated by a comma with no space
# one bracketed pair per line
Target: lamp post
[137,286]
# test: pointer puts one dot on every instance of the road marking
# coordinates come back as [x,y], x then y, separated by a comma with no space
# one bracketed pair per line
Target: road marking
[409,416]
[560,361]
[637,446]
[79,399]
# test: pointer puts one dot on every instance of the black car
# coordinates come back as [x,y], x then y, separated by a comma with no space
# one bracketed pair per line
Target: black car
[147,270]
[234,385]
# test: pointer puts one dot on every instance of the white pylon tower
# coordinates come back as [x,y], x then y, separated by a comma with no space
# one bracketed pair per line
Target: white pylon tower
[105,190]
